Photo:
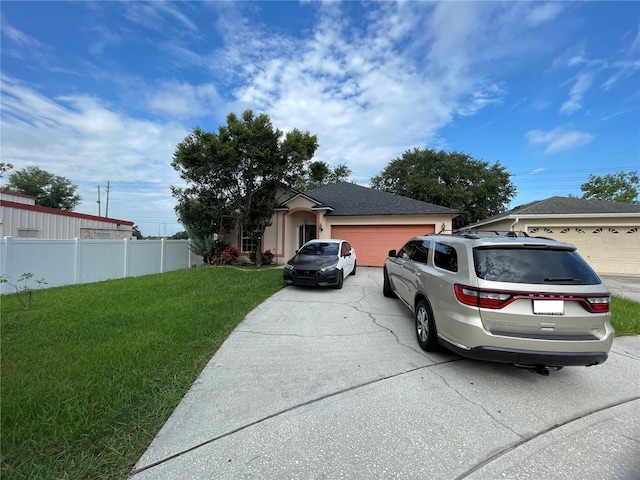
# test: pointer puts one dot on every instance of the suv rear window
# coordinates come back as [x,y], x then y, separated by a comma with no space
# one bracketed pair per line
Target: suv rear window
[528,265]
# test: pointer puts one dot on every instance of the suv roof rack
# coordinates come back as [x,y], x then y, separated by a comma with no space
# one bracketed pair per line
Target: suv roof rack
[472,233]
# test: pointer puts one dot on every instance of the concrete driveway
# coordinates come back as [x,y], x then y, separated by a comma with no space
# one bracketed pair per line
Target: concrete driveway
[323,383]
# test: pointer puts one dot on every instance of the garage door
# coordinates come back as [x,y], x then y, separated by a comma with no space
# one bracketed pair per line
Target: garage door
[373,242]
[609,250]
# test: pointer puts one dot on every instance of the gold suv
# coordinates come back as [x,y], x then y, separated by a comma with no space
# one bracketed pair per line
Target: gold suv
[531,302]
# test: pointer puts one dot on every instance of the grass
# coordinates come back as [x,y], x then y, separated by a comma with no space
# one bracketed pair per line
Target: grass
[625,316]
[91,372]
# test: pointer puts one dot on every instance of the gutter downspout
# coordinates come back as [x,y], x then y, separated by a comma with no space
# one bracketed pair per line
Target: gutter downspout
[514,224]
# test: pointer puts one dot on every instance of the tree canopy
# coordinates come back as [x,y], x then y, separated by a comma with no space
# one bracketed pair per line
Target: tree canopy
[319,173]
[455,180]
[5,167]
[232,175]
[48,189]
[621,187]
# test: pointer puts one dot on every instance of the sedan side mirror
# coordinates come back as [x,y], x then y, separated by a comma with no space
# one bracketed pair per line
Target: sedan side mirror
[348,254]
[392,253]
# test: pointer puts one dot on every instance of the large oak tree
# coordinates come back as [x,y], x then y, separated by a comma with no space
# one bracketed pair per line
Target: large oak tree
[49,190]
[622,187]
[449,179]
[232,175]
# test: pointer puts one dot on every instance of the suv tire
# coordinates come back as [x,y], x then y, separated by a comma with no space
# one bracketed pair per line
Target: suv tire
[426,327]
[387,291]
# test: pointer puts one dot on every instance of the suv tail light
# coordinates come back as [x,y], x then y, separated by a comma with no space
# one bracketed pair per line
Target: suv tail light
[482,298]
[496,299]
[598,304]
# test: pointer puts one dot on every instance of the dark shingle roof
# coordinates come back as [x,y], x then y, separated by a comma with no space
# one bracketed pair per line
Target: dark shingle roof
[570,205]
[351,199]
[564,206]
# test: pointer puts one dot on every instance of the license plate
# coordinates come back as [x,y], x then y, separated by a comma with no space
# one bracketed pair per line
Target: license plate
[548,307]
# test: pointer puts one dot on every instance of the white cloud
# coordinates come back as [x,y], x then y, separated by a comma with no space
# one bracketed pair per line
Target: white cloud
[181,100]
[543,13]
[576,94]
[372,93]
[18,37]
[559,139]
[81,138]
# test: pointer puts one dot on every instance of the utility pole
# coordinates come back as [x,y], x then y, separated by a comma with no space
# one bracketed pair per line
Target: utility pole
[106,213]
[99,206]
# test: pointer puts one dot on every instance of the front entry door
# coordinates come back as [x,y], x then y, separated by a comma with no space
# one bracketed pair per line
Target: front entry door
[305,233]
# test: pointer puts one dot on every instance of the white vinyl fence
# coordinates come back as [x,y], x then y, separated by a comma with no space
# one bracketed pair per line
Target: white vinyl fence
[65,262]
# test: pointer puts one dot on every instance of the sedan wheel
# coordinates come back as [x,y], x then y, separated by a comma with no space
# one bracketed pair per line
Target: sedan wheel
[340,279]
[426,328]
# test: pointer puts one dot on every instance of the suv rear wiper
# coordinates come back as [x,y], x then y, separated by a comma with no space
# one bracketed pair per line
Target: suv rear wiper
[562,279]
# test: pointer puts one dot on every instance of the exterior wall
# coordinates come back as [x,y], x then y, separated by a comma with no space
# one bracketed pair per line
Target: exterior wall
[283,238]
[441,222]
[17,198]
[20,219]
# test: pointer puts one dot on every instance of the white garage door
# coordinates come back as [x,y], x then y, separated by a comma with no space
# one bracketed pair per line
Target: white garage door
[609,250]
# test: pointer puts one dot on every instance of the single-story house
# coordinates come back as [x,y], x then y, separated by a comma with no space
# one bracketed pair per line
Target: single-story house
[371,220]
[606,233]
[21,217]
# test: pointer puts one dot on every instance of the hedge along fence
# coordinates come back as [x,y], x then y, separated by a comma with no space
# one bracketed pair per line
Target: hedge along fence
[67,262]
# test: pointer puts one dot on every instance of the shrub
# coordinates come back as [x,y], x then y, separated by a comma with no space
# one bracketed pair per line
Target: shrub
[228,256]
[266,257]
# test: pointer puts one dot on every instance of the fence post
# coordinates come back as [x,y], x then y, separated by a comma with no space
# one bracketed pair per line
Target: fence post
[163,246]
[126,258]
[4,257]
[77,267]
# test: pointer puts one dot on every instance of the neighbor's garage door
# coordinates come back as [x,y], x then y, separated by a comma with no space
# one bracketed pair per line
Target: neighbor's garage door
[373,242]
[609,250]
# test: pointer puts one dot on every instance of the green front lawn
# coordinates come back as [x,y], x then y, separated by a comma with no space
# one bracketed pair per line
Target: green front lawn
[91,372]
[625,316]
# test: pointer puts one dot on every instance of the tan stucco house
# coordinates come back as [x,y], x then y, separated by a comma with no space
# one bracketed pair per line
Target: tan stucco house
[606,233]
[373,221]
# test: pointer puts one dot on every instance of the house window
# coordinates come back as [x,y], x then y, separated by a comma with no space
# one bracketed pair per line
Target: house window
[27,233]
[248,244]
[103,235]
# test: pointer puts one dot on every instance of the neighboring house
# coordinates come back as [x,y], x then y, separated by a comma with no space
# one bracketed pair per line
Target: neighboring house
[21,217]
[372,221]
[606,233]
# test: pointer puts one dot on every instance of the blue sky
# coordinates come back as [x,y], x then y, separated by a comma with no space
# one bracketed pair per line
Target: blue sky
[104,91]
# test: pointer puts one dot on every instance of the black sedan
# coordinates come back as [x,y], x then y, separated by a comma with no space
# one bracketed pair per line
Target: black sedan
[321,262]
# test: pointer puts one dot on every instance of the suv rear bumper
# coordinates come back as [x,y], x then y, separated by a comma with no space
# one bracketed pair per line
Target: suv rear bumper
[529,357]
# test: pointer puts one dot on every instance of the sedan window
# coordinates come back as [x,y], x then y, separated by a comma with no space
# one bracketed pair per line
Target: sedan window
[319,249]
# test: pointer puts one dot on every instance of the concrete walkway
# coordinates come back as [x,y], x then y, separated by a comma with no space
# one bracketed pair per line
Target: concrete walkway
[331,384]
[623,286]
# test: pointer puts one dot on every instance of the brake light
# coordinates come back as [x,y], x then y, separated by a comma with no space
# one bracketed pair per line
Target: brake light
[496,299]
[598,304]
[482,298]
